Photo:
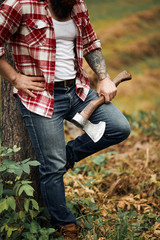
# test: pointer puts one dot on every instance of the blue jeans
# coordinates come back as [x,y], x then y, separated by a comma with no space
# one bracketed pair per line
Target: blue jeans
[47,136]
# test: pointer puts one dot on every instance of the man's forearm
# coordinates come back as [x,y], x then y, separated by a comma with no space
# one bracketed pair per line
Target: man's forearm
[7,71]
[106,87]
[96,61]
[21,82]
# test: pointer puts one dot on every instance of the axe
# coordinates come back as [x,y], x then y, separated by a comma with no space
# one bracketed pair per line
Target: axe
[96,131]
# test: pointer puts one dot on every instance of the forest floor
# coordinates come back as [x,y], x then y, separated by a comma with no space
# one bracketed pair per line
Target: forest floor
[115,194]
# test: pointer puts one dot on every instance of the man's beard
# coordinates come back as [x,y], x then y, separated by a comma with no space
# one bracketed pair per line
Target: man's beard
[62,8]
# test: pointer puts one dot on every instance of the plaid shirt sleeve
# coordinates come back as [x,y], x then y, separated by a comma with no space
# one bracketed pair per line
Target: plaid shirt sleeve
[10,18]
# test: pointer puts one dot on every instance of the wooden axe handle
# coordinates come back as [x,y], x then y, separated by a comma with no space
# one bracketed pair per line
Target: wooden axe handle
[92,105]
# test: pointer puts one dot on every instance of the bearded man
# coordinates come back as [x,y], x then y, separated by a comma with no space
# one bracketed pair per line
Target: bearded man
[49,40]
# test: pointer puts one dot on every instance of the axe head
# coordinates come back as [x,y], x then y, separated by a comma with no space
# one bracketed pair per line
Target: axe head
[94,131]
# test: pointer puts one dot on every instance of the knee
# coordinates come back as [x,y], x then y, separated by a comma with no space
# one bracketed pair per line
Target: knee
[124,129]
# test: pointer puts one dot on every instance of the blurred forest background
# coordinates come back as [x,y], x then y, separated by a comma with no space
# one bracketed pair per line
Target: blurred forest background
[124,180]
[130,36]
[114,194]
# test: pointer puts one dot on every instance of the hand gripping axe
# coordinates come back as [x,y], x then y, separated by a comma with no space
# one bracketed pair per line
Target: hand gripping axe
[96,131]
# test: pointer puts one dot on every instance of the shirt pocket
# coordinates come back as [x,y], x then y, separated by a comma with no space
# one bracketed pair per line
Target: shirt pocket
[36,32]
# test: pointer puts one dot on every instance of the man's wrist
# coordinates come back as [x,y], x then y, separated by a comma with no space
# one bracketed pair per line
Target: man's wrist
[106,77]
[13,79]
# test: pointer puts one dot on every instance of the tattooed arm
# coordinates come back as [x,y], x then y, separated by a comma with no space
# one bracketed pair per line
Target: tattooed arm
[106,87]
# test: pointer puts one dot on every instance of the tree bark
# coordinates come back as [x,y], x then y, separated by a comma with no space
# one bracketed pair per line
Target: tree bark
[13,129]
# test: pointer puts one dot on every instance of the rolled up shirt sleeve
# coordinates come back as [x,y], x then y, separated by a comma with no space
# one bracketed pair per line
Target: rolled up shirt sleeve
[90,40]
[10,19]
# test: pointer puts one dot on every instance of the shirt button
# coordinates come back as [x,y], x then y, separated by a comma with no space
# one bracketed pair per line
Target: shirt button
[51,82]
[53,64]
[54,47]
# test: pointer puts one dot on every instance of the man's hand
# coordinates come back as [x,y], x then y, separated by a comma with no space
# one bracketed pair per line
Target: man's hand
[28,84]
[107,88]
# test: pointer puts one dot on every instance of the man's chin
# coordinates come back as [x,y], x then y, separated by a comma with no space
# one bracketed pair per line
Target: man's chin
[62,8]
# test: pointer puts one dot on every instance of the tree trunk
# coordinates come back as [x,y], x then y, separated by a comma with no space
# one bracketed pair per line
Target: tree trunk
[13,129]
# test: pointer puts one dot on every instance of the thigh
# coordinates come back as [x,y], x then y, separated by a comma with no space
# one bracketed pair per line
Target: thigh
[115,120]
[47,136]
[105,112]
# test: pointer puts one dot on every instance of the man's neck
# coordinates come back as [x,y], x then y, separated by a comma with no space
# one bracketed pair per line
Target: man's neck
[53,14]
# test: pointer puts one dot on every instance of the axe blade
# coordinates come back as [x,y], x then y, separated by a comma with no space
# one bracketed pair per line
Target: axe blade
[94,131]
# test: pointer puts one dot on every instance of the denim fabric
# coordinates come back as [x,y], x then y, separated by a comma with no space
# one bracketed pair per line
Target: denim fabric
[47,136]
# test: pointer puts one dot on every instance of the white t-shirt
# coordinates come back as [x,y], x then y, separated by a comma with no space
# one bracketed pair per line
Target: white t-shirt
[65,34]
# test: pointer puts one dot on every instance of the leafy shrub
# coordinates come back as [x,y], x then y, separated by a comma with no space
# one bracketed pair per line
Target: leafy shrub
[144,122]
[20,216]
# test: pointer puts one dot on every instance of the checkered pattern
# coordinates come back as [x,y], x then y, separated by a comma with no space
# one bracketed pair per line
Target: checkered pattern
[28,27]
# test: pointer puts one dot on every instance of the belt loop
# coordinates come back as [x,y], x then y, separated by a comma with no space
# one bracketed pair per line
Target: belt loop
[65,83]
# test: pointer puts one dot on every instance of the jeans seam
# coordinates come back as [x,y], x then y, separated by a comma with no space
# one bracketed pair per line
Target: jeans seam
[40,152]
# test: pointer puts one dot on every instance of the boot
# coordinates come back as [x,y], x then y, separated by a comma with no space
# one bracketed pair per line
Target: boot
[69,231]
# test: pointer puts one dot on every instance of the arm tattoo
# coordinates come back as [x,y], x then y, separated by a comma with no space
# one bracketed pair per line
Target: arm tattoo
[96,61]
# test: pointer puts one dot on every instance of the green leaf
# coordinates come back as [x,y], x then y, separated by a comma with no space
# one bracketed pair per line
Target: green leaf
[32,213]
[28,236]
[17,185]
[90,219]
[34,228]
[16,149]
[26,188]
[35,204]
[26,182]
[17,178]
[26,168]
[21,189]
[18,172]
[88,184]
[34,163]
[50,230]
[88,225]
[1,189]
[44,237]
[21,215]
[11,202]
[10,230]
[3,205]
[8,162]
[2,168]
[29,190]
[93,206]
[99,159]
[25,161]
[26,204]
[91,173]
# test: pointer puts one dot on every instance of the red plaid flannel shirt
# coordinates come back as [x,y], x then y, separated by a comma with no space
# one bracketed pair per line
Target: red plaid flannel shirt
[28,27]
